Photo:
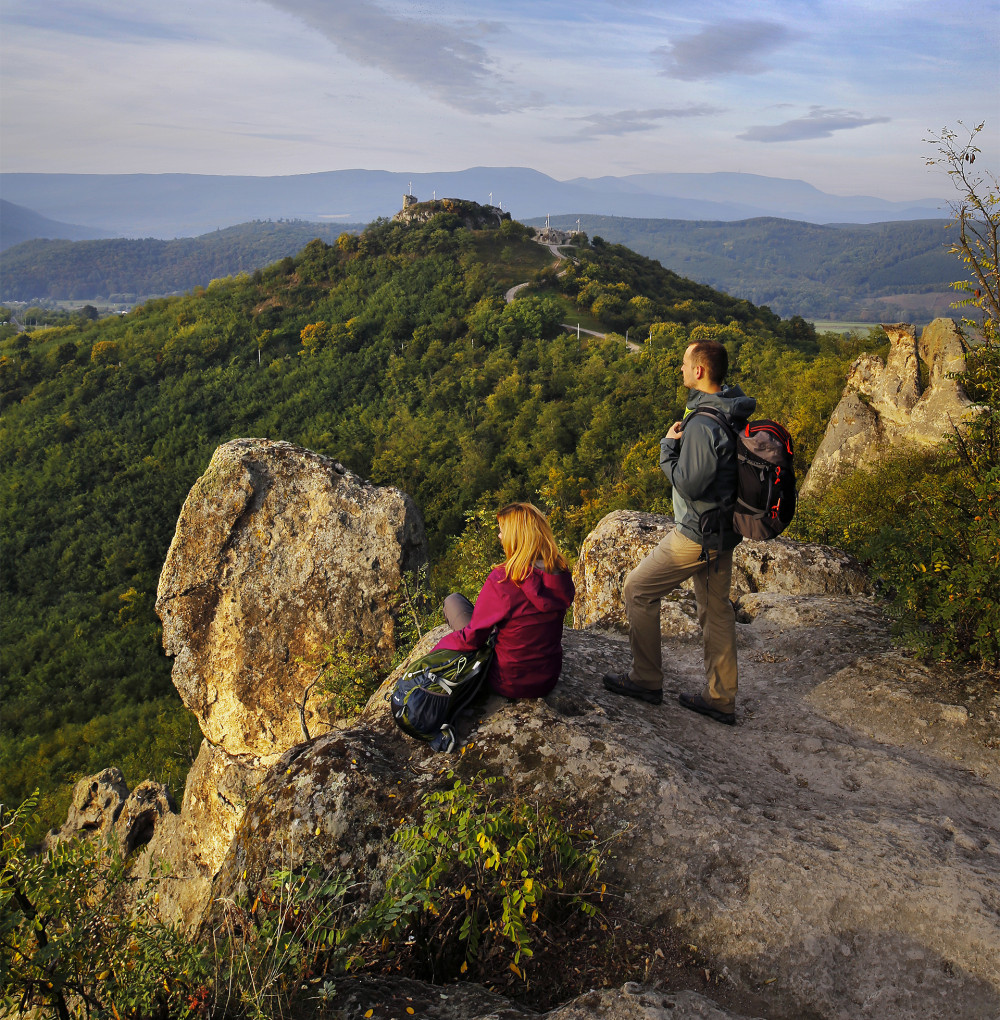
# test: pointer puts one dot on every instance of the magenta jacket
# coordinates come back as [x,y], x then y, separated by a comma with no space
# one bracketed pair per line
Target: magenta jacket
[529,619]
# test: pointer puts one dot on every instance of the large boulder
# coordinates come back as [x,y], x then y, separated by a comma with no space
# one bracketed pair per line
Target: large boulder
[887,406]
[624,537]
[277,551]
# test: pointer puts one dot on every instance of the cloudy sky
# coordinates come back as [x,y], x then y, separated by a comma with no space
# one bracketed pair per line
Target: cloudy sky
[840,93]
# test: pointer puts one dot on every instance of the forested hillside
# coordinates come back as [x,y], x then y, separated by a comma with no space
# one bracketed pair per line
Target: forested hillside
[882,272]
[129,270]
[393,352]
[877,272]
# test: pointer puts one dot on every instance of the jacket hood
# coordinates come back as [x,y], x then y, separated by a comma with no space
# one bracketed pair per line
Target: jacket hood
[549,592]
[731,400]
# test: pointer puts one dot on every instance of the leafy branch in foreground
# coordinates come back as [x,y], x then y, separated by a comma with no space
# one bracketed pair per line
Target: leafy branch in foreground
[81,938]
[976,213]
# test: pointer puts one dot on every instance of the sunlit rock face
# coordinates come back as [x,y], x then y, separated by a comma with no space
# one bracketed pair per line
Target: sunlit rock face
[886,406]
[277,551]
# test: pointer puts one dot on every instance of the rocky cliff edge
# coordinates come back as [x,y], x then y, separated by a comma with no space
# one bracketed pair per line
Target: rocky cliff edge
[836,854]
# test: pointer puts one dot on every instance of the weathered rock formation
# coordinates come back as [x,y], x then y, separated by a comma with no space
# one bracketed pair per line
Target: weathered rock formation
[624,537]
[277,552]
[102,807]
[473,215]
[837,852]
[885,405]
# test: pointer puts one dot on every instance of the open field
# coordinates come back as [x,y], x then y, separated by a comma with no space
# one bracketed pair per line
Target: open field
[833,326]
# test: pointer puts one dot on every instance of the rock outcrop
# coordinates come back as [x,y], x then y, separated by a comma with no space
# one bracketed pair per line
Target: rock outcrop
[781,566]
[885,405]
[473,215]
[839,847]
[102,807]
[277,551]
[837,852]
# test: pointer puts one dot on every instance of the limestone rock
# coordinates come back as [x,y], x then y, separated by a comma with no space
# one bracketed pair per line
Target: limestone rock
[277,550]
[634,1002]
[141,814]
[470,1001]
[825,849]
[103,808]
[884,406]
[624,537]
[608,553]
[218,789]
[97,802]
[334,802]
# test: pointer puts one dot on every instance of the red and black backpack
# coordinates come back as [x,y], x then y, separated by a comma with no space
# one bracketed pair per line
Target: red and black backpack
[765,497]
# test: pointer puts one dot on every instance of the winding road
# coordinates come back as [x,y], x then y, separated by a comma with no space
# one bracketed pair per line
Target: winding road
[559,257]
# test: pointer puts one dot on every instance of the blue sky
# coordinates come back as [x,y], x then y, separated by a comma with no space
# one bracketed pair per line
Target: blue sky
[835,92]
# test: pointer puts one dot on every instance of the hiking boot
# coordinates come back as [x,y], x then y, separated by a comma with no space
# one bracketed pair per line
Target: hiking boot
[619,683]
[698,704]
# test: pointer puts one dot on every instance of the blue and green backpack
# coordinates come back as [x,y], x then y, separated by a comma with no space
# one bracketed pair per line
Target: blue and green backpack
[435,688]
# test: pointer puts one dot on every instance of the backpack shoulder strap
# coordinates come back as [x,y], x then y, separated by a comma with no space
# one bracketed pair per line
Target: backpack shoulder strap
[719,416]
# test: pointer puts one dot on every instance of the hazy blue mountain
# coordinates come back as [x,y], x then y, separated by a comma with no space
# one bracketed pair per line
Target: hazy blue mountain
[180,205]
[18,224]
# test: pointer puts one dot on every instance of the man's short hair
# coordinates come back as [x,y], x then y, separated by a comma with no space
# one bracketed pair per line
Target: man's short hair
[713,357]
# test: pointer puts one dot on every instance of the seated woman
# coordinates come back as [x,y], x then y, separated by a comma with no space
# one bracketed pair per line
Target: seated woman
[525,598]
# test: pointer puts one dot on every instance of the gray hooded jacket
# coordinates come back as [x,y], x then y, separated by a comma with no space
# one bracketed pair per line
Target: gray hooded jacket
[701,465]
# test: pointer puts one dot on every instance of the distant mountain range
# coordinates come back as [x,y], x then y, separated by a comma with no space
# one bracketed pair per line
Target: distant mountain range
[183,205]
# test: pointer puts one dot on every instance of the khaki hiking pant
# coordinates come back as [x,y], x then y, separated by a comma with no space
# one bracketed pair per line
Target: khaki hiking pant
[674,560]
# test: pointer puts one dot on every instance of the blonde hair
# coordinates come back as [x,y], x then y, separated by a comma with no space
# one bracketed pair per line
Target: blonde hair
[526,537]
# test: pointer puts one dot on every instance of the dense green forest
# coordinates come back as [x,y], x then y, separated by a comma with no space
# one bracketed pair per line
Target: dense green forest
[877,272]
[881,272]
[129,270]
[393,352]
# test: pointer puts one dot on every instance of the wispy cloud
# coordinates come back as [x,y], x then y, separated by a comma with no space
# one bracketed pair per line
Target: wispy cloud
[820,122]
[730,47]
[626,122]
[443,61]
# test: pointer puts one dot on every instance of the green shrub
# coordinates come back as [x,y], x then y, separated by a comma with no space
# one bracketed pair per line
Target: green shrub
[483,875]
[82,937]
[929,533]
[78,941]
[941,557]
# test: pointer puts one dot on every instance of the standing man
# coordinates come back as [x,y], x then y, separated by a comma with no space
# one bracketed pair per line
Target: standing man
[698,455]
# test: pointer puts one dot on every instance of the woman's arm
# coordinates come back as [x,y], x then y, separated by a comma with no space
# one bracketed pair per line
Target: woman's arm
[490,611]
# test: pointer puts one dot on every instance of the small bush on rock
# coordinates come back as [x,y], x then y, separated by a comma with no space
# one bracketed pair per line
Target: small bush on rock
[483,876]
